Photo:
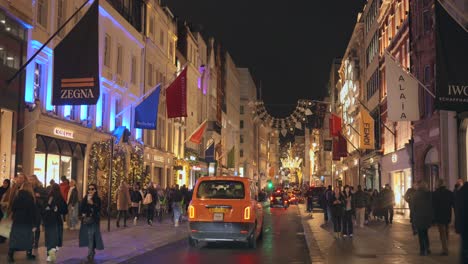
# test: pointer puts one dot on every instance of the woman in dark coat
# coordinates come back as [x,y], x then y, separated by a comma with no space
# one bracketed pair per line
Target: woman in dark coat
[25,217]
[337,203]
[90,234]
[52,219]
[348,212]
[422,216]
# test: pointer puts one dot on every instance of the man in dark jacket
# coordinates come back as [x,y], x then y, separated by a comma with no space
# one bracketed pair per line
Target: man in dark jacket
[461,209]
[409,199]
[442,201]
[422,214]
[360,202]
[388,199]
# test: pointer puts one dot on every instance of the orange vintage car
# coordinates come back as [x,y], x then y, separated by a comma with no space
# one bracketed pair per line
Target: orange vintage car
[225,208]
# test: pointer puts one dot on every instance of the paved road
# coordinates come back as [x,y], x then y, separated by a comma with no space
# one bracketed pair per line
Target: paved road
[283,243]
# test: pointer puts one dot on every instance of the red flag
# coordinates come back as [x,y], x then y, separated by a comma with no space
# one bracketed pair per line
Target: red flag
[335,125]
[176,96]
[196,137]
[340,147]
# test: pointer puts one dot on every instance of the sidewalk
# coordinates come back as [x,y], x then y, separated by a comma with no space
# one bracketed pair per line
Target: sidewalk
[376,243]
[120,243]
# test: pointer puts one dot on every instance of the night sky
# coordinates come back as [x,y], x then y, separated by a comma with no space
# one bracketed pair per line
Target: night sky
[287,45]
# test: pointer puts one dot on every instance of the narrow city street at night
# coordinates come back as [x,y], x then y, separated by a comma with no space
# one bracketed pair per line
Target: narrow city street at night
[283,242]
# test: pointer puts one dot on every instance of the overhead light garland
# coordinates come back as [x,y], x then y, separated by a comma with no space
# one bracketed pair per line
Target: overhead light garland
[298,119]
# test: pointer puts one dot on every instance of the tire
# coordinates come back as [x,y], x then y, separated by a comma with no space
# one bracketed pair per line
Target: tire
[252,242]
[192,242]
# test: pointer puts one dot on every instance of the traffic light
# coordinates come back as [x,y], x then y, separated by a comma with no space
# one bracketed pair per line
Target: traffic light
[270,185]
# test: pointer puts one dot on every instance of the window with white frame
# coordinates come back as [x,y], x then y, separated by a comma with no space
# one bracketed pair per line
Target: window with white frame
[38,81]
[404,133]
[119,59]
[107,50]
[61,13]
[133,70]
[118,109]
[104,110]
[42,12]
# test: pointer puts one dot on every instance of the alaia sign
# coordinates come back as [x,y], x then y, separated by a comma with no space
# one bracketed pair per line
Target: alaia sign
[402,92]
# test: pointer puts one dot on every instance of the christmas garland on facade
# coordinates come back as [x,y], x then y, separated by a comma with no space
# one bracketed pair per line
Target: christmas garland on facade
[305,109]
[125,157]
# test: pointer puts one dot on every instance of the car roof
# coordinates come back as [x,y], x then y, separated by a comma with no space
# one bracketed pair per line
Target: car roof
[224,178]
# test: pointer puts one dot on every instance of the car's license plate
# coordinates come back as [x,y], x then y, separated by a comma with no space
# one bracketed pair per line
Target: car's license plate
[218,217]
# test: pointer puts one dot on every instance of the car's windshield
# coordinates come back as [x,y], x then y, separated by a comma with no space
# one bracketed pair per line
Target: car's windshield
[221,190]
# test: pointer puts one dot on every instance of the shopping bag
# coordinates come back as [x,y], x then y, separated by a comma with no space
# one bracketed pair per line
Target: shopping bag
[5,227]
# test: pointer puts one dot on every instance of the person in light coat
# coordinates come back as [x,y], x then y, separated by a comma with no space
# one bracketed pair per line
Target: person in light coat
[123,202]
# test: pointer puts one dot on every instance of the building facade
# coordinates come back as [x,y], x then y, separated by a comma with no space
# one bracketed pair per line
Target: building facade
[16,19]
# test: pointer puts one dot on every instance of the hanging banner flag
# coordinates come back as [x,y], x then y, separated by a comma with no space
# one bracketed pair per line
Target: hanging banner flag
[146,113]
[402,92]
[451,62]
[335,125]
[210,153]
[366,131]
[197,135]
[340,148]
[176,96]
[76,63]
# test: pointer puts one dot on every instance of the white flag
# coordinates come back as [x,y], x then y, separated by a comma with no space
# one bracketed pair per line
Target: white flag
[402,92]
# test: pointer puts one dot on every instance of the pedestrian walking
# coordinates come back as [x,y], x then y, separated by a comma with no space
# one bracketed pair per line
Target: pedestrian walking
[150,202]
[442,201]
[388,199]
[64,189]
[409,194]
[24,215]
[461,217]
[73,204]
[123,202]
[337,202]
[360,201]
[136,197]
[90,233]
[423,216]
[177,198]
[348,212]
[52,219]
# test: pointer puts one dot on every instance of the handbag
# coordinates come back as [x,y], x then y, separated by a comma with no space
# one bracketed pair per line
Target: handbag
[5,227]
[148,199]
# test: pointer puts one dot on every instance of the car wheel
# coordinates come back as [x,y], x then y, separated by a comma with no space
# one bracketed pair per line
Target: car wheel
[192,242]
[252,241]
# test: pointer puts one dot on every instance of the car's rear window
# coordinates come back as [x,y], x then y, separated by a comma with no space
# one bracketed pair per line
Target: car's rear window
[221,190]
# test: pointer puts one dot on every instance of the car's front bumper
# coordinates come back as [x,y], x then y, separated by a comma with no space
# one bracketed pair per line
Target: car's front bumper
[221,231]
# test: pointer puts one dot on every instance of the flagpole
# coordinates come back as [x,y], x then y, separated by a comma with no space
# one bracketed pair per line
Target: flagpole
[410,74]
[193,133]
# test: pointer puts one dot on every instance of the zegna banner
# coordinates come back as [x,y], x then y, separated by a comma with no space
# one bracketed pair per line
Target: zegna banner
[76,63]
[451,62]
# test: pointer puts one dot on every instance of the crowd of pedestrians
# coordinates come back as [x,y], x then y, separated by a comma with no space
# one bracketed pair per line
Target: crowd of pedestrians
[27,208]
[346,208]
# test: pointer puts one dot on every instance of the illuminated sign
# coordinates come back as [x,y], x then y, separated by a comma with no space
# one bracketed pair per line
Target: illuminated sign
[63,132]
[196,168]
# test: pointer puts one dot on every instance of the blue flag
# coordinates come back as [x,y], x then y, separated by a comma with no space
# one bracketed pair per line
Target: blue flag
[209,153]
[146,113]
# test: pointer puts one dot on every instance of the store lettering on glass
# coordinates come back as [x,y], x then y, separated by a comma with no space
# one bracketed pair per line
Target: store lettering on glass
[63,132]
[402,85]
